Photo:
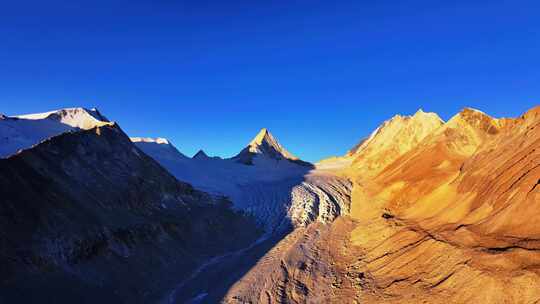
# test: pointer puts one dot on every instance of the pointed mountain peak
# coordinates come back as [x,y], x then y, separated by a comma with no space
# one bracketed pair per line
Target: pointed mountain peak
[200,155]
[266,145]
[263,136]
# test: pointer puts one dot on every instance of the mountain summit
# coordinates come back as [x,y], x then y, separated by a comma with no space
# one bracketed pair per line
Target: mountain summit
[81,118]
[266,145]
[392,139]
[200,155]
[158,146]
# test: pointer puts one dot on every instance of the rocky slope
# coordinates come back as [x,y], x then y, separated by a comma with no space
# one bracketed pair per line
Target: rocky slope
[88,217]
[389,141]
[451,220]
[422,211]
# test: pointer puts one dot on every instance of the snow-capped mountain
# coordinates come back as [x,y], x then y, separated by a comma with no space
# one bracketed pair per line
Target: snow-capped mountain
[264,145]
[158,146]
[264,179]
[23,131]
[86,212]
[81,118]
[269,161]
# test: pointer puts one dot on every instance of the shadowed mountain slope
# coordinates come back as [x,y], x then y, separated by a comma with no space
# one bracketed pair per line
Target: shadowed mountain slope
[87,217]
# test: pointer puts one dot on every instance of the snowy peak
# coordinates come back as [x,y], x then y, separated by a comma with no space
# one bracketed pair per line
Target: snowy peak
[158,146]
[267,146]
[265,143]
[158,140]
[81,118]
[24,131]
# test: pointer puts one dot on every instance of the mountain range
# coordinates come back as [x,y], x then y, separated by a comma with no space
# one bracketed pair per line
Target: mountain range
[419,211]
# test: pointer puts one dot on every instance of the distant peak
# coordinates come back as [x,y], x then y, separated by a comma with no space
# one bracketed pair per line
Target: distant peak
[421,114]
[200,155]
[406,129]
[470,113]
[158,140]
[163,141]
[266,145]
[472,110]
[75,117]
[476,119]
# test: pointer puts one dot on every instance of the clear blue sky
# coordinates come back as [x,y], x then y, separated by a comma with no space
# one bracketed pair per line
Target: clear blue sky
[319,74]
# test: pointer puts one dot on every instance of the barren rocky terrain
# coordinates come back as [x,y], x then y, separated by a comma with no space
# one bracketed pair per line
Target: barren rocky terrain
[421,211]
[451,220]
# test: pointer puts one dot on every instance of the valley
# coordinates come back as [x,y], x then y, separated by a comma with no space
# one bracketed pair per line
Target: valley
[421,211]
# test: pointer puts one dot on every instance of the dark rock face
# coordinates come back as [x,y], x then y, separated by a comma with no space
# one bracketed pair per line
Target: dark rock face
[87,217]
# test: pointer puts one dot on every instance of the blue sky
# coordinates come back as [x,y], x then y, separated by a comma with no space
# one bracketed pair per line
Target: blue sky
[319,75]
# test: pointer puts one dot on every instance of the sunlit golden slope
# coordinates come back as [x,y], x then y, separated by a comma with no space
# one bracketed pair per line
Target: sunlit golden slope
[454,219]
[440,213]
[393,138]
